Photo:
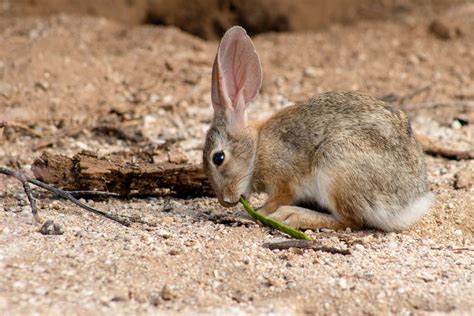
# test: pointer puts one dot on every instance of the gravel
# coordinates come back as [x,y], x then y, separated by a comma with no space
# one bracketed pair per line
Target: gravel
[193,256]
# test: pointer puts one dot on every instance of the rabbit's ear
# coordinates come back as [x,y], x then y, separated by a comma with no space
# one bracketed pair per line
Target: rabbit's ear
[236,76]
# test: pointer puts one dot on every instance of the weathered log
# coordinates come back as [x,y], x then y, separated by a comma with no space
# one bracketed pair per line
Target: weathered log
[85,171]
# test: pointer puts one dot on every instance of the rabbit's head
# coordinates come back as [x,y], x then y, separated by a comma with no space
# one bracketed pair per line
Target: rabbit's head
[230,148]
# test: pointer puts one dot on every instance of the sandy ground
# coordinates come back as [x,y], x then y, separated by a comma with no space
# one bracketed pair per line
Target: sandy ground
[62,76]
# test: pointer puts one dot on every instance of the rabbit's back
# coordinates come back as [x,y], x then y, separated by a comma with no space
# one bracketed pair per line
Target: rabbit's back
[348,151]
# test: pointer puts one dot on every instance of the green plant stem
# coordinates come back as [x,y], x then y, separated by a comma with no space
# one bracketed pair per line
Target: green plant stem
[274,224]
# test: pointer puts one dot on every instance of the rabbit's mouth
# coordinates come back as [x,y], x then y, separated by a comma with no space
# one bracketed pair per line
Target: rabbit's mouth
[228,201]
[229,204]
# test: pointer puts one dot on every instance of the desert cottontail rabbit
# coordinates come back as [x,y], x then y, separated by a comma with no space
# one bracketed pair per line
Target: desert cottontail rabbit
[351,154]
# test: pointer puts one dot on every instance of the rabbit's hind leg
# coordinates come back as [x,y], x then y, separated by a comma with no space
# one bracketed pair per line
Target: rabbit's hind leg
[303,218]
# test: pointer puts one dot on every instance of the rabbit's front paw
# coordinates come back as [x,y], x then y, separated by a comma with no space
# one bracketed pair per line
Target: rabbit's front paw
[303,218]
[295,217]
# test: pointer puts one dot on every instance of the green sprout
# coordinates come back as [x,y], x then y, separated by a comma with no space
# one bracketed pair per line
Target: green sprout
[274,224]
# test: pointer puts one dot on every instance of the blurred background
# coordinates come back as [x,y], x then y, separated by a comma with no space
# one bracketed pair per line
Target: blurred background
[209,18]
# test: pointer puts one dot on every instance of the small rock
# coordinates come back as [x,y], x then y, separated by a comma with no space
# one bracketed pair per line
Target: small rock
[246,260]
[19,285]
[153,98]
[41,291]
[464,177]
[291,285]
[163,233]
[392,245]
[312,72]
[440,30]
[43,85]
[51,228]
[359,247]
[56,205]
[167,293]
[458,232]
[174,252]
[342,283]
[456,124]
[326,230]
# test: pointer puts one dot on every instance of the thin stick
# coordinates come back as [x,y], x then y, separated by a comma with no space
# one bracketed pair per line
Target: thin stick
[21,126]
[26,187]
[81,193]
[25,179]
[414,93]
[32,200]
[305,244]
[274,224]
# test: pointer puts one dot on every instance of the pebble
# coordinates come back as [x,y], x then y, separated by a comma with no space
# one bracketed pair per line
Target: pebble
[154,98]
[41,291]
[167,293]
[458,232]
[163,233]
[51,228]
[456,124]
[465,177]
[326,230]
[312,72]
[342,283]
[56,205]
[359,247]
[19,285]
[174,252]
[392,245]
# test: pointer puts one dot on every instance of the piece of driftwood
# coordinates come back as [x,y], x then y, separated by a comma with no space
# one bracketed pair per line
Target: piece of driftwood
[116,174]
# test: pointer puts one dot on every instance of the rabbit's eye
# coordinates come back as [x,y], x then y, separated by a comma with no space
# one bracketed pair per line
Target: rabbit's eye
[218,158]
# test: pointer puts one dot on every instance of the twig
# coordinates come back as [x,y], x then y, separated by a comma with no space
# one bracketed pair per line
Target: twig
[24,179]
[305,244]
[31,199]
[83,193]
[274,224]
[414,93]
[393,97]
[21,126]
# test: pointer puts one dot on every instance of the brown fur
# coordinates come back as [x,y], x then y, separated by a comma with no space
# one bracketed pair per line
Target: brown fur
[347,152]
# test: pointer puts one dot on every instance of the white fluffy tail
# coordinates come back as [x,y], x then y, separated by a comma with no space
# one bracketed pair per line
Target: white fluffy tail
[402,219]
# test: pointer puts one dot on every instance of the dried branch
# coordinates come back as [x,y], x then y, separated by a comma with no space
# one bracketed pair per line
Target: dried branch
[90,193]
[21,126]
[26,187]
[24,179]
[305,244]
